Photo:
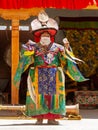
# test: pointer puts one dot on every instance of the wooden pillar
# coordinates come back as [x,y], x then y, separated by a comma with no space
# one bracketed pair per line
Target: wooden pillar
[15,15]
[14,59]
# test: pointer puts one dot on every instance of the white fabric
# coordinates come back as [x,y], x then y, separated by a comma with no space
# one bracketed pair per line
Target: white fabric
[31,89]
[56,46]
[65,40]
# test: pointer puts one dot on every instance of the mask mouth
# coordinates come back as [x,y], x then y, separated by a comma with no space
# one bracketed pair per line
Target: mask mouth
[45,40]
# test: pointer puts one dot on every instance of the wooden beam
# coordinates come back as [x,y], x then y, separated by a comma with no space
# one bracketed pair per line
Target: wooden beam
[20,14]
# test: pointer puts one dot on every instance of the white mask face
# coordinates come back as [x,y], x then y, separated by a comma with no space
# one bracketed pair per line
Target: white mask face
[45,40]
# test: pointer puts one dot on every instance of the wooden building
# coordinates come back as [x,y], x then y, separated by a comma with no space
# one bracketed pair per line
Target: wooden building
[15,13]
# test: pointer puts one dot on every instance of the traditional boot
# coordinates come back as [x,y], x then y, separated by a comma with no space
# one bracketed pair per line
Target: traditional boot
[53,122]
[39,122]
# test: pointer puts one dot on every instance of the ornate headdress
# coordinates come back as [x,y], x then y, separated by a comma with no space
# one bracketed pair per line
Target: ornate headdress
[44,23]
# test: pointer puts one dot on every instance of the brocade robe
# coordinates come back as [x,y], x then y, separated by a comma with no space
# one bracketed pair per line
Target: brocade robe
[46,81]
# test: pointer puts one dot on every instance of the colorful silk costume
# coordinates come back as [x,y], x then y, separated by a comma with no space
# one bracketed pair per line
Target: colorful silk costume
[47,62]
[46,81]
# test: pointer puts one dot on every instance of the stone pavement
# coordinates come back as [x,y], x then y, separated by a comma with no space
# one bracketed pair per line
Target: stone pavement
[89,113]
[89,121]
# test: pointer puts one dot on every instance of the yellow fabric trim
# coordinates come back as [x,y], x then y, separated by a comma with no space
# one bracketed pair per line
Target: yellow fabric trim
[69,75]
[70,53]
[57,83]
[28,53]
[61,92]
[61,83]
[28,94]
[57,101]
[38,101]
[64,55]
[57,91]
[28,64]
[26,67]
[36,88]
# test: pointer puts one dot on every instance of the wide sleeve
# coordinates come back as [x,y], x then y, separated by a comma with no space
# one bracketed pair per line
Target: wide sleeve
[26,59]
[69,66]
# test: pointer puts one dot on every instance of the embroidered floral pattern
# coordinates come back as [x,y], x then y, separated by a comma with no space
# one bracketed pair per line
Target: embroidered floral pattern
[87,97]
[46,80]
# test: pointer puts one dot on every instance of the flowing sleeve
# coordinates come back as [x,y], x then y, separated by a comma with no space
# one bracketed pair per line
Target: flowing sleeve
[69,66]
[26,59]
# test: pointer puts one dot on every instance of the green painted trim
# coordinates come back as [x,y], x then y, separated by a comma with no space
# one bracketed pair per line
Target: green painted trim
[86,24]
